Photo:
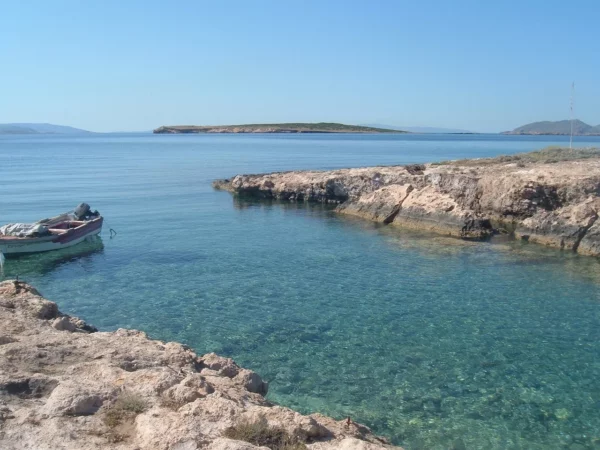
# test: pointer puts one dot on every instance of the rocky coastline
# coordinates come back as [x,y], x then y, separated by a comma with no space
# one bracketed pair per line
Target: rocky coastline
[549,197]
[63,384]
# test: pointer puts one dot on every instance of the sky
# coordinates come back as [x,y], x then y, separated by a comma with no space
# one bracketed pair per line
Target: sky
[484,66]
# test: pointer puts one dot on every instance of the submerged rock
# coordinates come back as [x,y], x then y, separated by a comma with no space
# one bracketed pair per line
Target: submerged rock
[549,197]
[64,385]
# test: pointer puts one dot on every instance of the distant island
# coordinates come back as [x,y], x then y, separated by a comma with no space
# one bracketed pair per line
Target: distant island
[561,127]
[38,128]
[321,127]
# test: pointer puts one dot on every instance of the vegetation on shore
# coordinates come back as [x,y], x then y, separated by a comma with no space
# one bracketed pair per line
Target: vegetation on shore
[321,127]
[126,405]
[547,155]
[261,434]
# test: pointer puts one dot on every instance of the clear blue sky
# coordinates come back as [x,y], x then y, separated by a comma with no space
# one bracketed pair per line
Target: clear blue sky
[135,65]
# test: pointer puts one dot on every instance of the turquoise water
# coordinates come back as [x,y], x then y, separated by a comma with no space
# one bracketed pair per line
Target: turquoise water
[433,342]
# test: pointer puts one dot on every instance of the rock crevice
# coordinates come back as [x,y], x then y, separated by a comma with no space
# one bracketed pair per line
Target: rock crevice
[584,230]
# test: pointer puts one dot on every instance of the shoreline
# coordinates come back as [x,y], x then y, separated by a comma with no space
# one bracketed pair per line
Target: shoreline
[65,384]
[549,197]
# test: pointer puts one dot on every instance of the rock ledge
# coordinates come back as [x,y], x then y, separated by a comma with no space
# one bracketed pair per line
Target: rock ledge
[65,385]
[549,197]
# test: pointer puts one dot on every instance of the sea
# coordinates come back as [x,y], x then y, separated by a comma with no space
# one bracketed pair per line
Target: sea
[433,342]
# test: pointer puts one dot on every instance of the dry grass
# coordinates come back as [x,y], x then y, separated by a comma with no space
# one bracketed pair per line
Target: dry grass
[114,417]
[547,155]
[261,434]
[131,402]
[127,406]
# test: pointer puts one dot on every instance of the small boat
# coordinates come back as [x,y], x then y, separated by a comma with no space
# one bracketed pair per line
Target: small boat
[58,232]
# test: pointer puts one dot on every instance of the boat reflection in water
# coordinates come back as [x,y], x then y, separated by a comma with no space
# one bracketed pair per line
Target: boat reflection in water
[36,264]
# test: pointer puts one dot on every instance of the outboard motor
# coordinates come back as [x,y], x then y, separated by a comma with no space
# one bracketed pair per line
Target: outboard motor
[82,211]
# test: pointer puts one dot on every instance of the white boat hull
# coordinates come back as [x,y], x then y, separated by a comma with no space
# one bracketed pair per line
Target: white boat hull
[64,239]
[38,247]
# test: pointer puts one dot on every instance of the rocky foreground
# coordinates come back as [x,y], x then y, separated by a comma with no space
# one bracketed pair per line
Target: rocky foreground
[549,197]
[64,385]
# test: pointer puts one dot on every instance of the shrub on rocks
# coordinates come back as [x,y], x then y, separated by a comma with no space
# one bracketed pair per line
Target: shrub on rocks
[127,406]
[261,434]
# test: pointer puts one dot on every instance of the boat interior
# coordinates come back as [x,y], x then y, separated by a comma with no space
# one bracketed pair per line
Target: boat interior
[65,226]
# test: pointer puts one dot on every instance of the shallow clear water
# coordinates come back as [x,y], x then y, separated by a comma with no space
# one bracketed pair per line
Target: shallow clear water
[434,342]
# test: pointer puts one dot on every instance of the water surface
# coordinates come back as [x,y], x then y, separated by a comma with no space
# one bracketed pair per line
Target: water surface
[434,342]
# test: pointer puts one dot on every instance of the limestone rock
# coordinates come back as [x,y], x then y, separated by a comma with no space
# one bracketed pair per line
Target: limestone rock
[64,387]
[553,203]
[230,444]
[27,300]
[382,205]
[185,445]
[251,381]
[63,324]
[34,386]
[348,444]
[189,389]
[303,427]
[69,398]
[223,366]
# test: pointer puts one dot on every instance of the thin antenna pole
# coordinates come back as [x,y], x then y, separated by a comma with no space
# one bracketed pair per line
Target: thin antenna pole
[572,113]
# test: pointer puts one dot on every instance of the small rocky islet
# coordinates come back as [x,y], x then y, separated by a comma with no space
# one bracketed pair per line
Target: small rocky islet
[277,128]
[549,197]
[63,384]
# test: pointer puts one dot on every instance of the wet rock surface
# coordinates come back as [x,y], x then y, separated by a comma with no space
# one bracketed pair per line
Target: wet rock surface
[540,200]
[65,385]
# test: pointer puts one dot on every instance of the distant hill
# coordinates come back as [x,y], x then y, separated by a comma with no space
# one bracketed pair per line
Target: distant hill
[321,127]
[6,128]
[425,130]
[38,128]
[562,127]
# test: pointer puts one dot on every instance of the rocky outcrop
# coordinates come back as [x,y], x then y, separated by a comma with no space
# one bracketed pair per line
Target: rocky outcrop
[65,385]
[540,200]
